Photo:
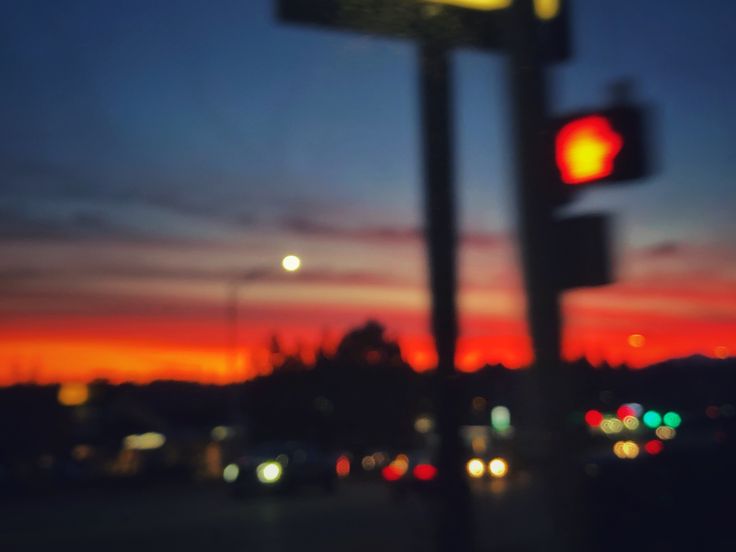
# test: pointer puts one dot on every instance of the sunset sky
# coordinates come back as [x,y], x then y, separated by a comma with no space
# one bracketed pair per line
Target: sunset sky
[153,150]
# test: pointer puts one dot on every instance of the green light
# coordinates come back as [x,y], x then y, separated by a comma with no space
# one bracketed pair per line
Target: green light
[500,418]
[652,419]
[672,419]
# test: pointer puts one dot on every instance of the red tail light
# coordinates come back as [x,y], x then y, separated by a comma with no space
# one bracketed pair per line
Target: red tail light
[424,472]
[390,473]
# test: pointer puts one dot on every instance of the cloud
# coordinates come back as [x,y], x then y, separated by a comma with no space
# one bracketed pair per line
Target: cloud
[663,249]
[390,234]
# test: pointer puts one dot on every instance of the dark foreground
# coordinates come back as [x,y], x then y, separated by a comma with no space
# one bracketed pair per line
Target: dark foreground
[358,517]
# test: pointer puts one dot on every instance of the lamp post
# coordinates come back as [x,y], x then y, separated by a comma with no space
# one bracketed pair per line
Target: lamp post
[290,263]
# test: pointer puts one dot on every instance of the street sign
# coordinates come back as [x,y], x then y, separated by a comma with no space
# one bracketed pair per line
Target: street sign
[478,24]
[582,251]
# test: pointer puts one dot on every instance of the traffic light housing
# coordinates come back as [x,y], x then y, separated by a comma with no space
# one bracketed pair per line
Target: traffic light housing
[609,145]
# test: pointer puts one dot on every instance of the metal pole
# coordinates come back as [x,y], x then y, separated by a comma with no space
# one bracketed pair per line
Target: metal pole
[455,523]
[547,444]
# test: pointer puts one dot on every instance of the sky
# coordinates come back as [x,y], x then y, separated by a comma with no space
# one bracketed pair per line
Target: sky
[152,151]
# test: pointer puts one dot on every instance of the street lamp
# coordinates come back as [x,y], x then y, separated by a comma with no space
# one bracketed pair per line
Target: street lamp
[290,263]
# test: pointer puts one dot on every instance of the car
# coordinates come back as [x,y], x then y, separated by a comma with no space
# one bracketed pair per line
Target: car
[280,467]
[410,473]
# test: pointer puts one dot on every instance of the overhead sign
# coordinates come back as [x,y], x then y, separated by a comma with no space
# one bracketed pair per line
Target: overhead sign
[479,24]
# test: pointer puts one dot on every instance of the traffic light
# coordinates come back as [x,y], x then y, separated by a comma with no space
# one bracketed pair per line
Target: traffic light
[604,146]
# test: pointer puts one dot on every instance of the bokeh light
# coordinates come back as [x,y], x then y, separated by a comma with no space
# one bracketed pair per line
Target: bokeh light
[631,423]
[291,263]
[665,433]
[652,419]
[73,394]
[593,418]
[230,473]
[498,468]
[672,419]
[269,473]
[637,341]
[654,447]
[475,468]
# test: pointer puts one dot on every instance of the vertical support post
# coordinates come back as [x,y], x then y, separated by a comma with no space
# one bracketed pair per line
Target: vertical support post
[454,523]
[548,444]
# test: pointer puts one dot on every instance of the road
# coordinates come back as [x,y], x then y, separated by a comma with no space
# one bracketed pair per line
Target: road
[359,517]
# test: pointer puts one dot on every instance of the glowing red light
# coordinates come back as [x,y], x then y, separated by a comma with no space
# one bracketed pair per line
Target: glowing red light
[654,447]
[586,148]
[342,466]
[424,472]
[390,473]
[593,418]
[625,410]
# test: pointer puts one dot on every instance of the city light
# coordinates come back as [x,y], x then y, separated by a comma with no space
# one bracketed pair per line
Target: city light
[652,419]
[424,472]
[390,473]
[423,424]
[498,468]
[672,419]
[291,263]
[593,418]
[146,441]
[665,433]
[500,418]
[624,411]
[653,447]
[631,423]
[475,468]
[342,466]
[484,5]
[269,473]
[73,394]
[626,450]
[637,341]
[547,9]
[230,473]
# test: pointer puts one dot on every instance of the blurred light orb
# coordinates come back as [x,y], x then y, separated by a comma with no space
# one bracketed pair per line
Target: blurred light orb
[498,468]
[721,352]
[475,468]
[269,473]
[672,419]
[342,466]
[230,473]
[631,423]
[665,433]
[631,449]
[500,418]
[636,341]
[618,449]
[73,394]
[593,418]
[652,419]
[423,424]
[546,9]
[291,263]
[146,441]
[654,447]
[368,463]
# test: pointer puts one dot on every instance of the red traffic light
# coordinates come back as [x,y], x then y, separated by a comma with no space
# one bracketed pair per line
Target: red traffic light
[606,145]
[586,148]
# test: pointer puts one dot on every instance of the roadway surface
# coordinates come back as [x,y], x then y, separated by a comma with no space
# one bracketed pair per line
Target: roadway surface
[359,516]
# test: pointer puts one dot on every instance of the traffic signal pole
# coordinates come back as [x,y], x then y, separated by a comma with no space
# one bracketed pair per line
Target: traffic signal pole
[547,442]
[455,526]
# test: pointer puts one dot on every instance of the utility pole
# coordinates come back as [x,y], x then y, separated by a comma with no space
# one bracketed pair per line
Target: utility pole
[455,527]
